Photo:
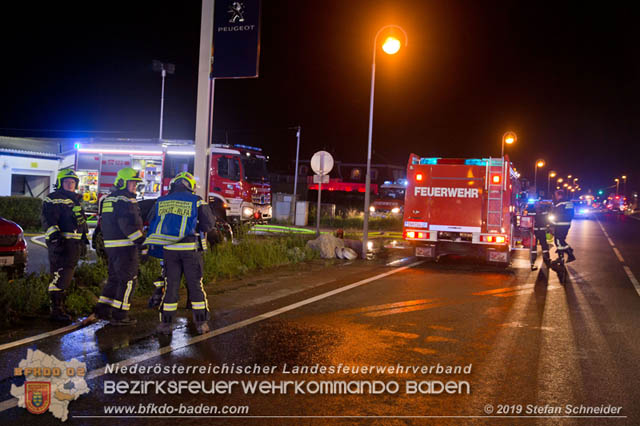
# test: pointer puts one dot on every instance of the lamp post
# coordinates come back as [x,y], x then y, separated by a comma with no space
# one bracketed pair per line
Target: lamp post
[390,46]
[624,185]
[539,164]
[164,69]
[551,174]
[508,138]
[617,184]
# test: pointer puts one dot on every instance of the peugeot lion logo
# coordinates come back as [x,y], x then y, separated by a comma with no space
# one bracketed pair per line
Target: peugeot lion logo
[237,12]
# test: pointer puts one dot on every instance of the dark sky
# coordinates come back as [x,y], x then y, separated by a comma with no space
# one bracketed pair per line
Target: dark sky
[565,76]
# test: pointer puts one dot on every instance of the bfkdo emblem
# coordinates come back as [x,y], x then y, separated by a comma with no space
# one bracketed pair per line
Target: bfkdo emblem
[37,396]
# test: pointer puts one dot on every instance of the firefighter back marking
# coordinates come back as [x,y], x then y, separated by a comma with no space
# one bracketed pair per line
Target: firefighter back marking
[428,191]
[177,207]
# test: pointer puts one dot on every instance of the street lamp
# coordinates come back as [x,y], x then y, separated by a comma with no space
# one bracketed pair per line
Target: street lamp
[624,187]
[390,46]
[617,184]
[508,138]
[539,164]
[551,174]
[164,69]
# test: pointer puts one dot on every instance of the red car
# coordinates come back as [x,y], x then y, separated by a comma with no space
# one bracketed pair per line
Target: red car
[13,248]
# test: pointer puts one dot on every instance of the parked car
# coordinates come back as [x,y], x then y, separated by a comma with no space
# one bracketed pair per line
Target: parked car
[13,248]
[582,210]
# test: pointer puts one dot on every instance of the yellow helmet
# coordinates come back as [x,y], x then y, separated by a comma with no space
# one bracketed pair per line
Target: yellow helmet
[64,174]
[125,175]
[187,178]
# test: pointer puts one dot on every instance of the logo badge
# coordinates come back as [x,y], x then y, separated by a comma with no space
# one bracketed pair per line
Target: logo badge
[236,9]
[37,396]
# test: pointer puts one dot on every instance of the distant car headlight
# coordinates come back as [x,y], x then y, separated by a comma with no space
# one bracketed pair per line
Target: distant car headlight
[247,212]
[584,211]
[552,218]
[395,210]
[372,209]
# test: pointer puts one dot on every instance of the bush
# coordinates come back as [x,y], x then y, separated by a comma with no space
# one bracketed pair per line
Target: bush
[25,211]
[23,297]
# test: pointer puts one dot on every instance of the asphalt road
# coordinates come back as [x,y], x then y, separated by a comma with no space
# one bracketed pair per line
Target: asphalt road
[530,345]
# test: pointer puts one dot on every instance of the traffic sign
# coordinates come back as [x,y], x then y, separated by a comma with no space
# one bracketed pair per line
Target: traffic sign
[322,162]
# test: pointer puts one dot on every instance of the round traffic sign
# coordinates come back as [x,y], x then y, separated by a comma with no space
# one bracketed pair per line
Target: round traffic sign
[322,162]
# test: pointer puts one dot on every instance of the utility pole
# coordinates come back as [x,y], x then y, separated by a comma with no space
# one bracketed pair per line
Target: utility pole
[164,69]
[295,175]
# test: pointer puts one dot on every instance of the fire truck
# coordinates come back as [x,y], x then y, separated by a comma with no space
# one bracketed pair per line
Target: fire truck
[462,206]
[238,177]
[390,200]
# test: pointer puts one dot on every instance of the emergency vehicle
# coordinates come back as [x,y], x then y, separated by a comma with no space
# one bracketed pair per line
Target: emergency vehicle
[238,177]
[390,200]
[461,206]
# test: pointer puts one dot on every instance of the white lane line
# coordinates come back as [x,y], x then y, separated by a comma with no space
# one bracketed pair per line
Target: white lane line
[13,402]
[632,278]
[618,254]
[36,240]
[627,270]
[26,340]
[610,242]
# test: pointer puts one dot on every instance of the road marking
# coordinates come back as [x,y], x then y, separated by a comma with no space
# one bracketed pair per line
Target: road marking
[633,279]
[627,270]
[618,254]
[503,290]
[32,339]
[403,310]
[13,402]
[36,240]
[388,306]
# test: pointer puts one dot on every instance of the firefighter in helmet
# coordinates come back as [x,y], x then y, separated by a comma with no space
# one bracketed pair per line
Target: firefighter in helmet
[560,219]
[65,226]
[176,223]
[540,212]
[122,230]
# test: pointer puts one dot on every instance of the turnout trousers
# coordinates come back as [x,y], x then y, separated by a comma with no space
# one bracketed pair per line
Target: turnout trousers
[63,259]
[189,263]
[560,236]
[540,236]
[123,276]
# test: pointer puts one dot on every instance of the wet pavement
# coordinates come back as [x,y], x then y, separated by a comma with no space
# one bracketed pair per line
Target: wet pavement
[525,343]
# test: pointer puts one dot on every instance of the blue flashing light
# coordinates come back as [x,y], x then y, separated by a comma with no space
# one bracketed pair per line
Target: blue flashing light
[432,160]
[253,148]
[475,162]
[76,146]
[387,182]
[531,201]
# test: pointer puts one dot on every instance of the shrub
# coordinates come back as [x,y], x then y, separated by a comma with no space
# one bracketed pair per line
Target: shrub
[25,211]
[23,297]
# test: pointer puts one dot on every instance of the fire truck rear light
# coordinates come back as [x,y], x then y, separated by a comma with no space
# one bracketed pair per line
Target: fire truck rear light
[420,234]
[419,177]
[411,234]
[499,239]
[495,179]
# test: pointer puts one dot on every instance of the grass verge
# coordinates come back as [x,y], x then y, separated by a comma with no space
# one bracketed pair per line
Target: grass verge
[28,297]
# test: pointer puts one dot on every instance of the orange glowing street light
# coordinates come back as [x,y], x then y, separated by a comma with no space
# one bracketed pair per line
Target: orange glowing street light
[560,180]
[551,174]
[508,138]
[539,164]
[390,46]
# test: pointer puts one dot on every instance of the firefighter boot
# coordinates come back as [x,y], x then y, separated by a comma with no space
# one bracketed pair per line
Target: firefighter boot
[570,257]
[58,313]
[165,328]
[156,297]
[121,318]
[201,320]
[546,259]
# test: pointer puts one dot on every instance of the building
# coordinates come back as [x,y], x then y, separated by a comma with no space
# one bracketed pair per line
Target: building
[28,166]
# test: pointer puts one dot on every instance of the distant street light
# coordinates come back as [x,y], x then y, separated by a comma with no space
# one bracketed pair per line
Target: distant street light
[617,184]
[624,182]
[560,180]
[390,46]
[551,174]
[539,164]
[569,177]
[508,138]
[164,69]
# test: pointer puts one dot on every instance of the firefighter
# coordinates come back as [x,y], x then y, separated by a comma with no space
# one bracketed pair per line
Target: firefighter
[176,222]
[560,219]
[540,213]
[65,226]
[122,230]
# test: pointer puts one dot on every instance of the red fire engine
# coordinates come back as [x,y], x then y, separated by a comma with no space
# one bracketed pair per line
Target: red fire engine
[461,206]
[238,177]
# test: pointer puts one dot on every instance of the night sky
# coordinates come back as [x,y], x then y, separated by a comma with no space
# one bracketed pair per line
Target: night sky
[564,76]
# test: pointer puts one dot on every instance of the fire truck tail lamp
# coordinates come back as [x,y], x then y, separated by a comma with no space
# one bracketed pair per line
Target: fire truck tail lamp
[416,235]
[419,177]
[493,239]
[496,179]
